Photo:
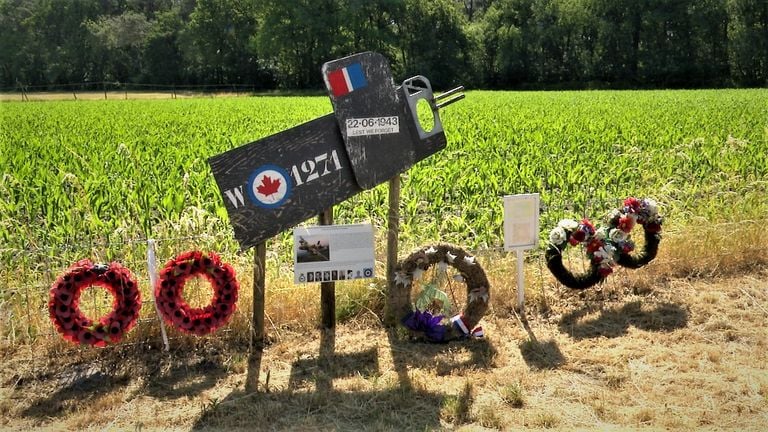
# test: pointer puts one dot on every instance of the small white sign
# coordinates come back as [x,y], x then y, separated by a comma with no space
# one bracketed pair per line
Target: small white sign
[333,253]
[521,221]
[373,126]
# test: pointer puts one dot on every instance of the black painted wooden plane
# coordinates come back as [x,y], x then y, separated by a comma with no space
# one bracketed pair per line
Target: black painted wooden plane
[274,183]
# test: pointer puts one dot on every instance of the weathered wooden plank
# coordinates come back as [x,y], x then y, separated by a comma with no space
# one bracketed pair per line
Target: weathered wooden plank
[374,118]
[274,183]
[309,161]
[327,289]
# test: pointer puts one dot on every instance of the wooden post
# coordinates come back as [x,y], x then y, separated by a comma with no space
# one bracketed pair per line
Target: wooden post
[393,228]
[520,282]
[259,295]
[327,289]
[257,334]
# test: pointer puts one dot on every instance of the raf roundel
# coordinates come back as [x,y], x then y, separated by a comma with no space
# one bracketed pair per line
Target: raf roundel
[269,186]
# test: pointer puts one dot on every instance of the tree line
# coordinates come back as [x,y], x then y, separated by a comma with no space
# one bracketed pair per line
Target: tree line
[270,44]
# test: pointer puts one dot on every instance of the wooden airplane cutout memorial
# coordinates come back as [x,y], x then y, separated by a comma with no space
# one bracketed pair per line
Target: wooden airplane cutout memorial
[274,183]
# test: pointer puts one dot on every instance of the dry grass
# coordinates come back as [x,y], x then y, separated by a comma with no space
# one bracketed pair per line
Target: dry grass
[677,345]
[663,360]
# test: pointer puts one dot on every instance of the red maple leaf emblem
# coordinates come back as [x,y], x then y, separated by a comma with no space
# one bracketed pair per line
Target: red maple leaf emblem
[268,186]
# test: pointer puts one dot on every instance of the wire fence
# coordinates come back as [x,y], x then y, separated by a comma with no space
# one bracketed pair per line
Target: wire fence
[122,90]
[118,90]
[28,276]
[30,272]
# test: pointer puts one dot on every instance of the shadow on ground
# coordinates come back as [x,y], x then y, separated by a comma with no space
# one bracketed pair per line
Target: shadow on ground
[183,377]
[615,322]
[311,401]
[539,355]
[163,375]
[394,408]
[542,355]
[81,384]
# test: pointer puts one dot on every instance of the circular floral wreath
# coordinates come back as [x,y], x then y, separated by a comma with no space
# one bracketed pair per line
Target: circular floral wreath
[606,246]
[173,308]
[431,327]
[73,325]
[644,212]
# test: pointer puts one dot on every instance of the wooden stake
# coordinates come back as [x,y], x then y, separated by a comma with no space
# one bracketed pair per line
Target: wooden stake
[259,295]
[520,281]
[394,305]
[257,335]
[327,289]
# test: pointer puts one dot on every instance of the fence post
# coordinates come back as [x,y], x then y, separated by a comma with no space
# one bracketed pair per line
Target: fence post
[394,302]
[259,294]
[152,268]
[327,289]
[520,281]
[257,335]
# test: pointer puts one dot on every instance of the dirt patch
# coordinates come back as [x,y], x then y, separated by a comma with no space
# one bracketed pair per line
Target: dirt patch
[682,356]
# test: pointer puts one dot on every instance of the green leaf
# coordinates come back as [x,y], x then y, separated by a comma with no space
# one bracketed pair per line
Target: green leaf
[433,299]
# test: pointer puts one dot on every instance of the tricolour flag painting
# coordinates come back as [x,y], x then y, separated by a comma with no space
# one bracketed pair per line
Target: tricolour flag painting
[347,79]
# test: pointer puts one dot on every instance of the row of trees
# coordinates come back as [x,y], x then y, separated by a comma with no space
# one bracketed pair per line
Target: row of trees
[480,43]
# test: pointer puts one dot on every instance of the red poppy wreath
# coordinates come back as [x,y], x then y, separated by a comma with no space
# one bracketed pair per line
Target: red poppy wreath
[73,325]
[176,311]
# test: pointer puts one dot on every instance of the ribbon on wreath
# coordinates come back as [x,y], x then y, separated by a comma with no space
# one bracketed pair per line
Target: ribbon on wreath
[459,323]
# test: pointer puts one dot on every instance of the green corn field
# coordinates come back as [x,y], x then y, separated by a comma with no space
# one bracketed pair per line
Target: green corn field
[136,169]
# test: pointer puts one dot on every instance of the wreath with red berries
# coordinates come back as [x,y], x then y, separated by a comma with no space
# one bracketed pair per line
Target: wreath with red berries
[73,325]
[606,246]
[176,311]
